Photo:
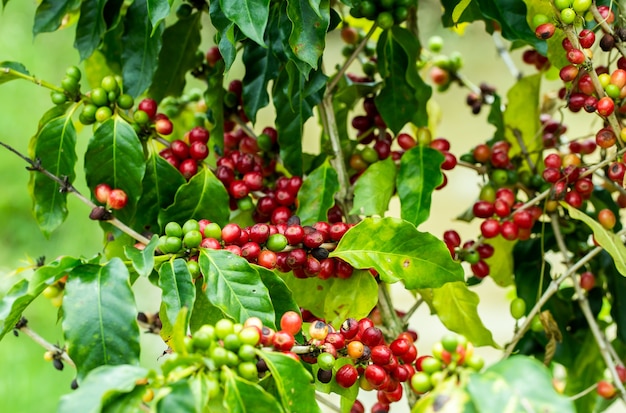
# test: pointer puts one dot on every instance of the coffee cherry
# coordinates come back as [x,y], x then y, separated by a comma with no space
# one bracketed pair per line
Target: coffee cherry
[188,168]
[490,228]
[587,280]
[163,126]
[606,390]
[518,308]
[117,199]
[346,376]
[605,106]
[586,37]
[607,219]
[480,269]
[291,322]
[545,31]
[149,106]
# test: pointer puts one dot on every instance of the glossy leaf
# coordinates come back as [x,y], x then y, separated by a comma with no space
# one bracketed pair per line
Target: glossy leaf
[55,147]
[204,196]
[282,298]
[242,396]
[141,44]
[176,57]
[288,375]
[521,116]
[235,287]
[294,99]
[419,175]
[204,312]
[158,10]
[101,384]
[459,9]
[317,194]
[50,14]
[336,299]
[586,370]
[249,15]
[90,27]
[160,183]
[225,33]
[501,263]
[616,284]
[310,22]
[142,260]
[608,240]
[374,189]
[398,251]
[454,13]
[261,66]
[95,334]
[115,156]
[518,384]
[511,16]
[496,118]
[180,399]
[404,95]
[457,308]
[178,291]
[8,69]
[16,298]
[214,99]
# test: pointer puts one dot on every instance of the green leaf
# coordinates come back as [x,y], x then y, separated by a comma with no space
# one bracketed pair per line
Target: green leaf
[101,384]
[55,147]
[160,183]
[204,312]
[235,287]
[336,299]
[404,95]
[317,194]
[178,291]
[459,9]
[204,196]
[176,57]
[398,251]
[50,14]
[115,156]
[242,396]
[521,116]
[616,284]
[142,260]
[586,370]
[457,308]
[511,15]
[517,384]
[99,317]
[8,71]
[261,65]
[141,44]
[130,402]
[179,399]
[289,375]
[611,242]
[294,98]
[496,119]
[157,11]
[501,263]
[419,175]
[310,22]
[374,188]
[90,27]
[20,294]
[214,99]
[225,34]
[282,298]
[249,15]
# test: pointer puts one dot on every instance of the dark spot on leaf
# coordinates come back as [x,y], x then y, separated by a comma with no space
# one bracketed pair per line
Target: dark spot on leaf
[406,263]
[320,288]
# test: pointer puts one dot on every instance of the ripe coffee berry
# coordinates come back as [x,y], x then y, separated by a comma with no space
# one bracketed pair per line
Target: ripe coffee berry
[117,199]
[346,376]
[490,228]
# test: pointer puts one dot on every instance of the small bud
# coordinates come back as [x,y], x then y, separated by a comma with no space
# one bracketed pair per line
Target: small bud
[100,213]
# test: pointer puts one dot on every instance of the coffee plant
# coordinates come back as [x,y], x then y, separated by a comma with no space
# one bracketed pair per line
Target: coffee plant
[275,264]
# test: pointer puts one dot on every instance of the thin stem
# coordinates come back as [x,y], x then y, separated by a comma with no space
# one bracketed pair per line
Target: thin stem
[607,28]
[586,309]
[412,310]
[243,125]
[584,392]
[47,345]
[33,79]
[505,56]
[323,400]
[520,141]
[66,186]
[331,86]
[480,169]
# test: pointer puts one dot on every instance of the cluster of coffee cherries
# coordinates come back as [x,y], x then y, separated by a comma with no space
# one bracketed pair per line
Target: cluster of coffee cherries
[470,251]
[449,357]
[496,160]
[187,153]
[385,13]
[101,102]
[574,12]
[565,175]
[367,360]
[534,58]
[111,198]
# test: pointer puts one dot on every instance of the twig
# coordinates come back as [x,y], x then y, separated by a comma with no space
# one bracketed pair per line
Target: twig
[66,186]
[505,56]
[33,79]
[323,400]
[480,169]
[243,126]
[331,86]
[586,309]
[412,310]
[607,28]
[522,145]
[584,392]
[47,345]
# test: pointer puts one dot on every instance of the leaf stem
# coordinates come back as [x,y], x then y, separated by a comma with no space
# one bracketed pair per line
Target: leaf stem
[323,400]
[32,79]
[505,56]
[66,186]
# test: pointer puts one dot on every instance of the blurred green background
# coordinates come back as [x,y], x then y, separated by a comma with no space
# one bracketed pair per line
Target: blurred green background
[27,382]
